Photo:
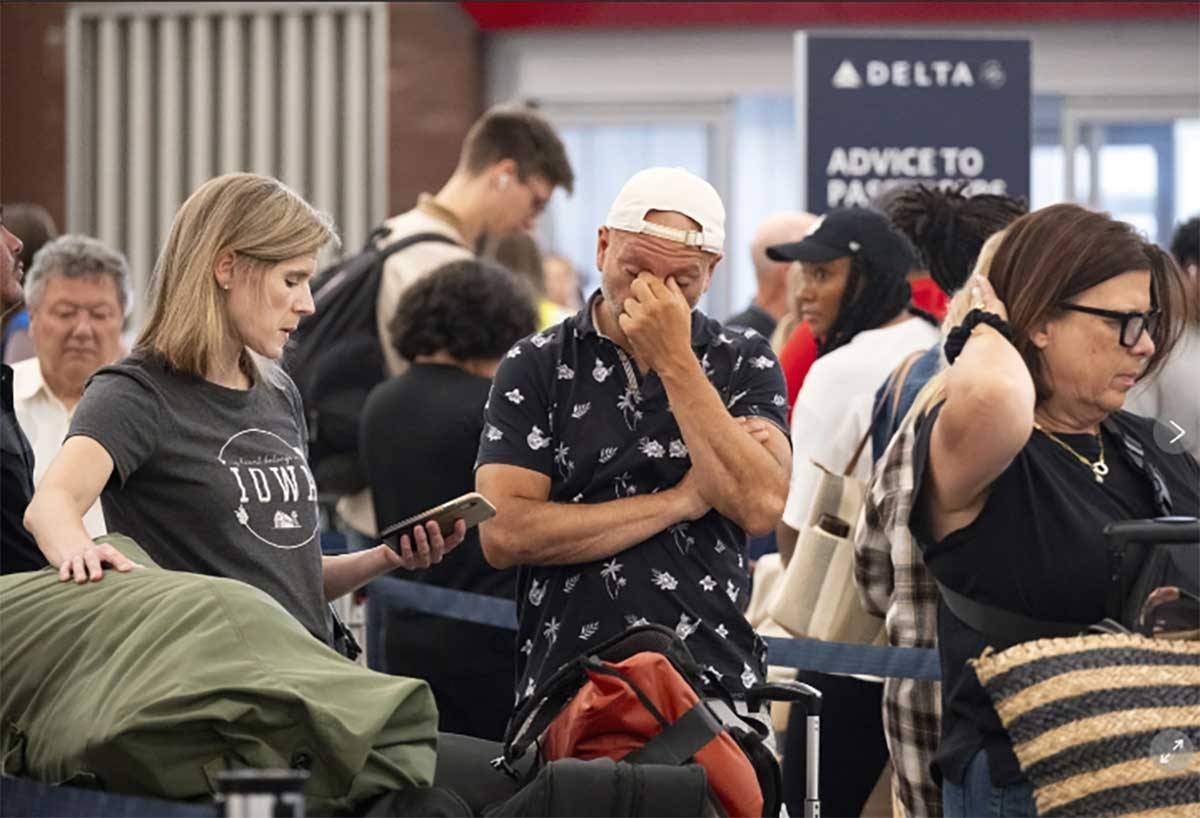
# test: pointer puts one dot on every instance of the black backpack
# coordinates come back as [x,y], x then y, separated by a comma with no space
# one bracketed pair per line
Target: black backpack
[335,357]
[674,747]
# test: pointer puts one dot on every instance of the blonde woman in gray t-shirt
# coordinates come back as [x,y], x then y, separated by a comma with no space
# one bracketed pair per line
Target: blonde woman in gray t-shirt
[196,442]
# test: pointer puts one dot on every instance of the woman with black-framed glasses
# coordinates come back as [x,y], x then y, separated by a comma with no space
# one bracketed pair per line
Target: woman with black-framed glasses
[1131,324]
[1022,454]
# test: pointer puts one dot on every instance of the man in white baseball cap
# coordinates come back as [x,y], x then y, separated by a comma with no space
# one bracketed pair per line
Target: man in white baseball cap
[630,449]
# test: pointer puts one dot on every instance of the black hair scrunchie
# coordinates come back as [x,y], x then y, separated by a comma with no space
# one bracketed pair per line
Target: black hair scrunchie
[957,337]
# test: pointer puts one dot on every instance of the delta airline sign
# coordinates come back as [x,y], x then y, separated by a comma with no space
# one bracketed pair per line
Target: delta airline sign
[874,113]
[905,74]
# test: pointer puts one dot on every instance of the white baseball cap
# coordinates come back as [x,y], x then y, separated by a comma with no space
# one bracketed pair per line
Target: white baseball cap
[674,190]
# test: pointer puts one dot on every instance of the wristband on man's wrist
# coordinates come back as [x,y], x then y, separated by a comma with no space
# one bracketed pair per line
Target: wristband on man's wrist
[956,339]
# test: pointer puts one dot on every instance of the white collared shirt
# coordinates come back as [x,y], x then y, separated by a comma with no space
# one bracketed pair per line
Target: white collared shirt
[45,421]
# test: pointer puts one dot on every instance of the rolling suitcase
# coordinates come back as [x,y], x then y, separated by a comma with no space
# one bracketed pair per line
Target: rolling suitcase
[809,698]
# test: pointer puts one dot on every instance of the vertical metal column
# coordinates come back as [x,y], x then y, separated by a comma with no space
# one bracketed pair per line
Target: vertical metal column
[231,102]
[323,117]
[293,125]
[108,136]
[200,107]
[170,124]
[262,97]
[139,234]
[355,194]
[378,73]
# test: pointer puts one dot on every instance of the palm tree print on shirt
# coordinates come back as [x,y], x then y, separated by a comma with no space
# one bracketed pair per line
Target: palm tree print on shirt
[613,581]
[683,540]
[628,403]
[551,630]
[562,459]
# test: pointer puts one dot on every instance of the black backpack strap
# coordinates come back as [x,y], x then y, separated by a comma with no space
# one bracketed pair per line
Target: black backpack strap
[526,725]
[1004,626]
[679,742]
[1137,456]
[415,238]
[357,268]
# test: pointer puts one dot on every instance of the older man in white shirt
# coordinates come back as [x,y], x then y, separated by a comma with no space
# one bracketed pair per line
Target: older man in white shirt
[77,293]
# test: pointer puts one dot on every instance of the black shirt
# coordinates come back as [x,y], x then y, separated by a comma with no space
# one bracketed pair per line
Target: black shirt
[420,432]
[419,435]
[753,317]
[571,404]
[18,551]
[1037,548]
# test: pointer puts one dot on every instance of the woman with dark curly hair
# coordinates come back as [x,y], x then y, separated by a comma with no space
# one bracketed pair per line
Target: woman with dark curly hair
[419,435]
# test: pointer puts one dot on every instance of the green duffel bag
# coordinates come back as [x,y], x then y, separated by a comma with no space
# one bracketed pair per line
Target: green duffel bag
[152,682]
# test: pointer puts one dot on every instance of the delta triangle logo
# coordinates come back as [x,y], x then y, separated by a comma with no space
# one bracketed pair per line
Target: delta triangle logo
[847,76]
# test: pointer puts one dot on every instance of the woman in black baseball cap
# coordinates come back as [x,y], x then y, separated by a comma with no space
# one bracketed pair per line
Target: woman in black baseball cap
[853,275]
[854,293]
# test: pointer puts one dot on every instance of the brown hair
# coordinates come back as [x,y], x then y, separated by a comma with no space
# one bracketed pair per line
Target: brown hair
[523,136]
[1048,257]
[519,252]
[33,225]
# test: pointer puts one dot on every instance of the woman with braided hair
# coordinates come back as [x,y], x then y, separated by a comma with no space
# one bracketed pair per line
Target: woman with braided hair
[854,293]
[948,230]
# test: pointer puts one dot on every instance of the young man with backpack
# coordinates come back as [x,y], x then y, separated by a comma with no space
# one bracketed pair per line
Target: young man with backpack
[511,163]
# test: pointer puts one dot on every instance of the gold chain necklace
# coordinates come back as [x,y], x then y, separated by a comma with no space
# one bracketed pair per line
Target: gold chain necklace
[1099,468]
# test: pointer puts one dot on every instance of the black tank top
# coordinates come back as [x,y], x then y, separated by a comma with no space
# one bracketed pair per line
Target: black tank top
[1037,548]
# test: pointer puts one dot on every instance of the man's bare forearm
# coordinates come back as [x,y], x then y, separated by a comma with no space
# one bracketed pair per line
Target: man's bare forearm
[737,475]
[540,532]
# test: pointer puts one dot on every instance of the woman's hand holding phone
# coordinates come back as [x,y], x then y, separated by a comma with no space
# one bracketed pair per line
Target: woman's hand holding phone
[425,547]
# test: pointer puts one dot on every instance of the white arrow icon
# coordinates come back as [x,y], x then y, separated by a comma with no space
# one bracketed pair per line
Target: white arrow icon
[1178,744]
[1179,429]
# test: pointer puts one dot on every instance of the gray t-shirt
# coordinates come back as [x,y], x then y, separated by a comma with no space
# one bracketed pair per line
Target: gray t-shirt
[209,479]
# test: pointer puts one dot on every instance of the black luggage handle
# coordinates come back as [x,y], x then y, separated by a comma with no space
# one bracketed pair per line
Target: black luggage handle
[1165,530]
[785,691]
[1125,533]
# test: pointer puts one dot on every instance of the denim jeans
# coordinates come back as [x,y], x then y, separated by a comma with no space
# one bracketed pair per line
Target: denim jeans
[976,797]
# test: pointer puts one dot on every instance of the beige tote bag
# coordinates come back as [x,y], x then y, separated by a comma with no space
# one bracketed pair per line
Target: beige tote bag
[817,597]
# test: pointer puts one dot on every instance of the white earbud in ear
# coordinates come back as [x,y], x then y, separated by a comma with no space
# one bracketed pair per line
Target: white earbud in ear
[503,181]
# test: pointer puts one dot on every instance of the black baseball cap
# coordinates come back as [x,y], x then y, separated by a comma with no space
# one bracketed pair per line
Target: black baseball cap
[852,231]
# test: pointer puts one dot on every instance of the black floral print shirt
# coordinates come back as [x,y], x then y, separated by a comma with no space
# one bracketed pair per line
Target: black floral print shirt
[571,404]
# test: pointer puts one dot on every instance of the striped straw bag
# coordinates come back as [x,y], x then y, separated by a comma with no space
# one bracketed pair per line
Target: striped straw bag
[1104,724]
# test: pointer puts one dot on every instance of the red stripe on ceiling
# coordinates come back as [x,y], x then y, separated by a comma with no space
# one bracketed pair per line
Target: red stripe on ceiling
[500,16]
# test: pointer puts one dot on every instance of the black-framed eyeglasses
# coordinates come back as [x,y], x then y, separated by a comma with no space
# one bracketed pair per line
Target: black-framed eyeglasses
[1133,324]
